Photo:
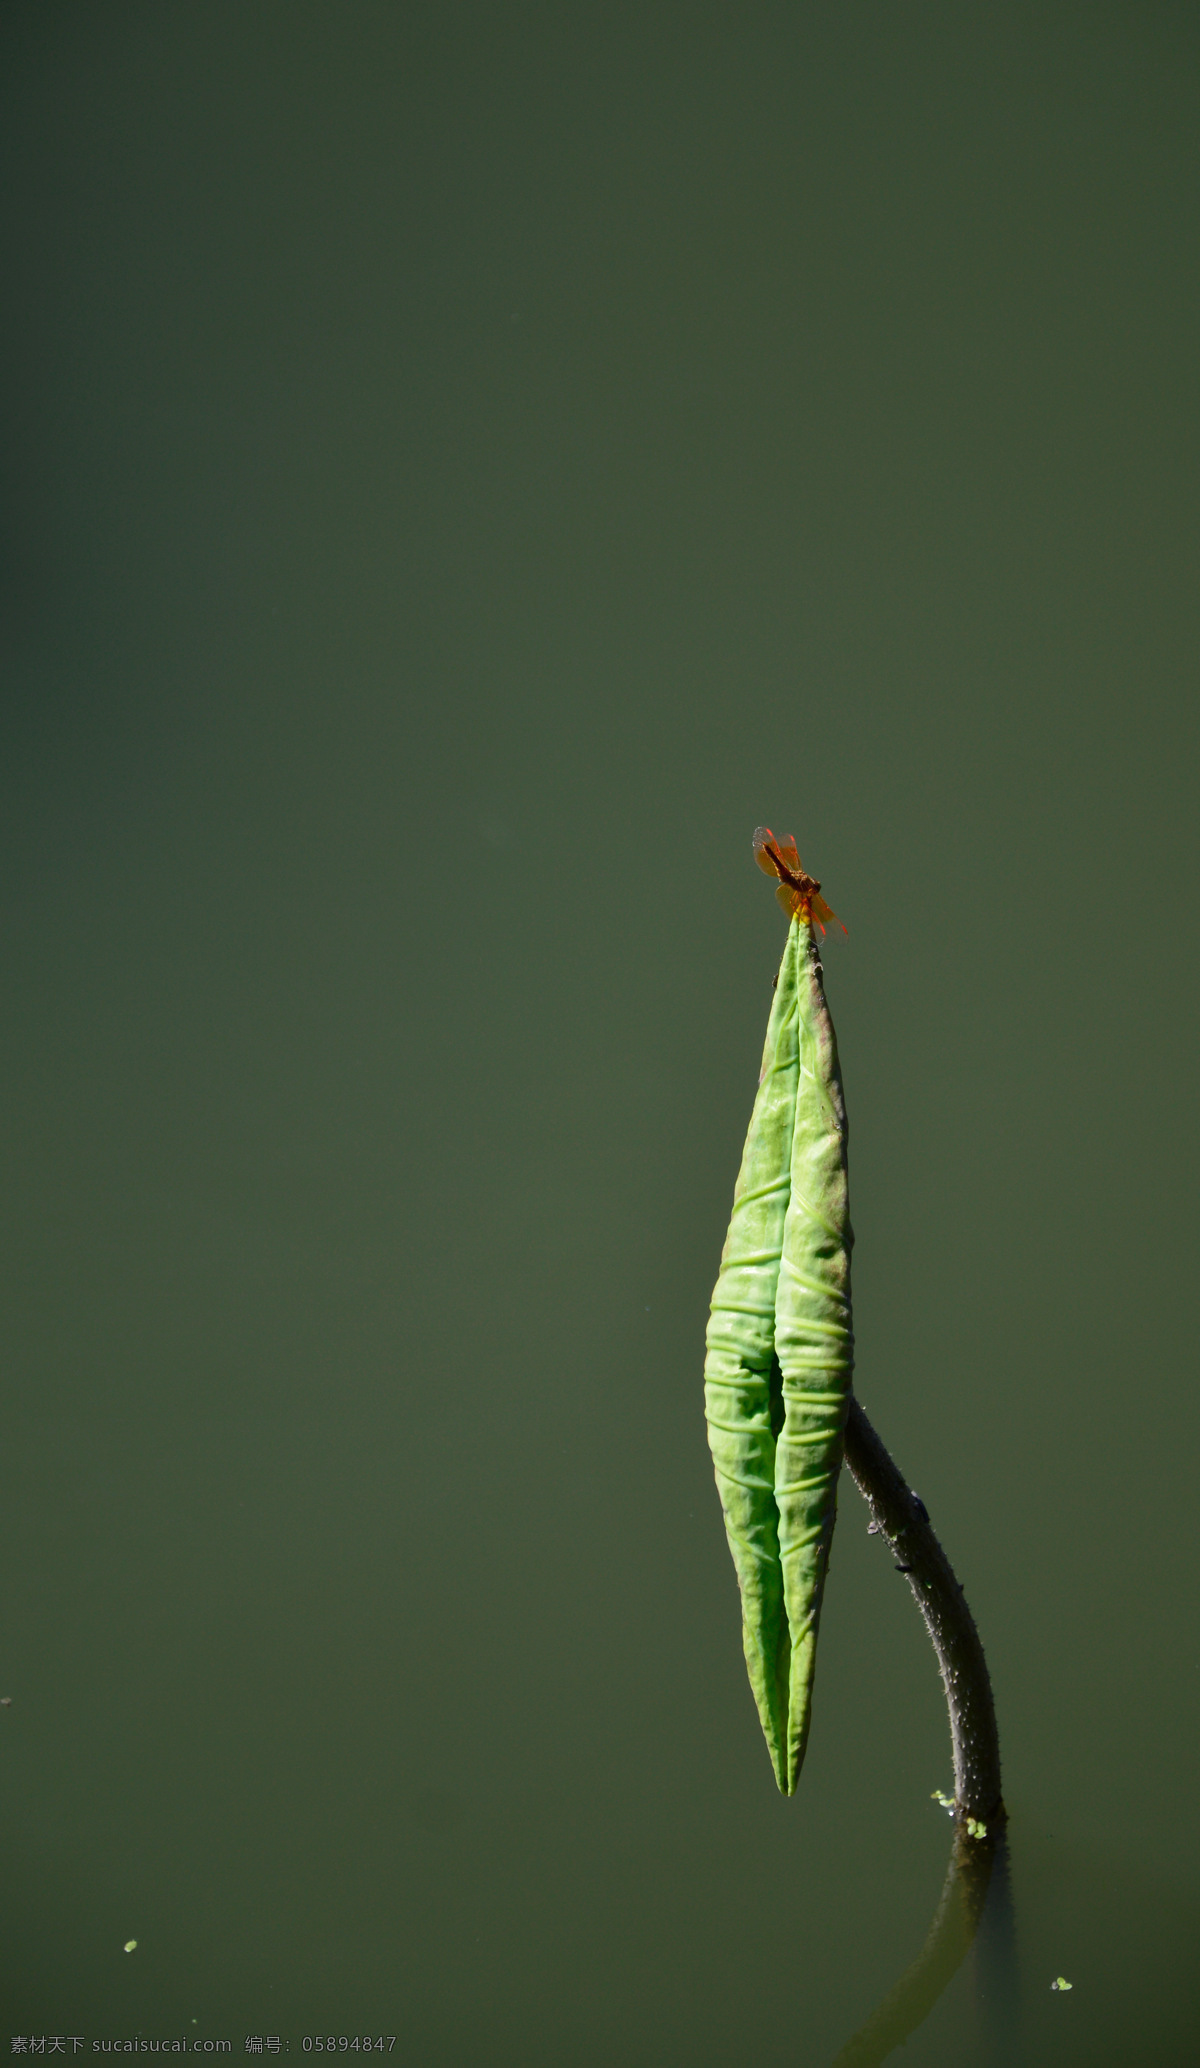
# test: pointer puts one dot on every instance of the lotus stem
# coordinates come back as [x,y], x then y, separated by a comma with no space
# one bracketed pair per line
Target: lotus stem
[900,1517]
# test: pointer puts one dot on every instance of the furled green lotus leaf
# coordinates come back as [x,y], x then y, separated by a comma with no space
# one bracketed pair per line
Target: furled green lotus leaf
[780,1351]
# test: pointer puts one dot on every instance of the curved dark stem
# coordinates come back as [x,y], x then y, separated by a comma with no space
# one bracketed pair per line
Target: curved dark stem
[954,1926]
[900,1518]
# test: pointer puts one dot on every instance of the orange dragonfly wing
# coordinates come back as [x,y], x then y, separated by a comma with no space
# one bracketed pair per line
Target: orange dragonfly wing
[765,844]
[764,839]
[824,914]
[813,908]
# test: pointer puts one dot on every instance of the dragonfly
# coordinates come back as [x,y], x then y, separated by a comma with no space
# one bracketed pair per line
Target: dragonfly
[796,891]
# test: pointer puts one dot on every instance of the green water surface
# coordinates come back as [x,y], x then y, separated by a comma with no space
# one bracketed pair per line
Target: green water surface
[465,468]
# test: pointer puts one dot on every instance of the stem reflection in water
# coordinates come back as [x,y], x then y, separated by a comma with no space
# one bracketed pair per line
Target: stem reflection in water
[975,1866]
